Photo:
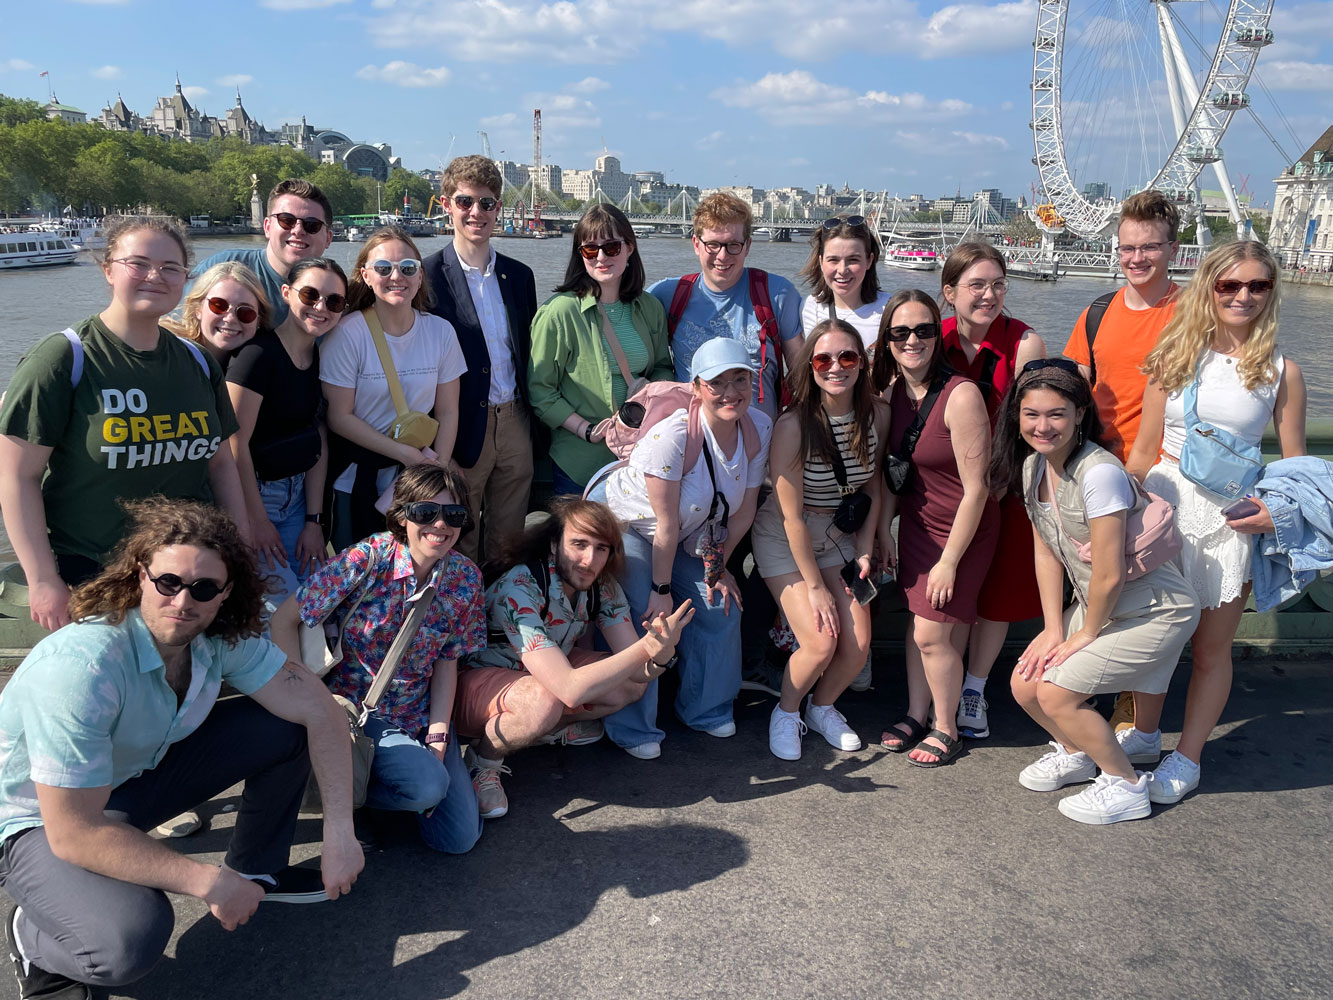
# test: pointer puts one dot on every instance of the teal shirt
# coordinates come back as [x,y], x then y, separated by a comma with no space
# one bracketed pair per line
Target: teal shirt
[570,371]
[90,707]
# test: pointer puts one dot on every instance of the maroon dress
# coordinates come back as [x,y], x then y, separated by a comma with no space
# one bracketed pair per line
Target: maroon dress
[1009,592]
[926,513]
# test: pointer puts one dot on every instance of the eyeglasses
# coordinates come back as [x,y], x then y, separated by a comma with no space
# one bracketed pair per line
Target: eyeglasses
[837,222]
[925,331]
[312,298]
[823,361]
[201,591]
[1037,364]
[714,247]
[288,222]
[428,512]
[1230,286]
[999,286]
[220,306]
[611,248]
[140,268]
[407,267]
[466,201]
[1149,249]
[735,386]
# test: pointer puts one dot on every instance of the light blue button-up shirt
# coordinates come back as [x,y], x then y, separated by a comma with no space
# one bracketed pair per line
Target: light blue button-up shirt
[90,707]
[488,301]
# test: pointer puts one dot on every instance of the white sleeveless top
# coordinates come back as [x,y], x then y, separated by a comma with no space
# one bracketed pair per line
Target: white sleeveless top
[1224,402]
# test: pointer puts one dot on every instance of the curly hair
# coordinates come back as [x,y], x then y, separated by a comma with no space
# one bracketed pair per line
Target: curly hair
[359,294]
[541,540]
[813,273]
[424,481]
[156,523]
[807,400]
[604,222]
[1151,206]
[1172,363]
[1008,449]
[188,326]
[886,367]
[722,209]
[476,170]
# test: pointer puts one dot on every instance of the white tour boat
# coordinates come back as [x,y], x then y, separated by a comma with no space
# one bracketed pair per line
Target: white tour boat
[761,235]
[35,249]
[912,258]
[83,234]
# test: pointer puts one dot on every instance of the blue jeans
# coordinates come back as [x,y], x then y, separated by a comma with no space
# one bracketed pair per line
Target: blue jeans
[284,503]
[709,649]
[562,484]
[406,777]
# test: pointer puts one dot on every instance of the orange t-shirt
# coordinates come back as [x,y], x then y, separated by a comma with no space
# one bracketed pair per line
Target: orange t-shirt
[1123,340]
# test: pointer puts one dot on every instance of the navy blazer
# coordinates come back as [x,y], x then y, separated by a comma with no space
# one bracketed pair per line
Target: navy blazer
[453,302]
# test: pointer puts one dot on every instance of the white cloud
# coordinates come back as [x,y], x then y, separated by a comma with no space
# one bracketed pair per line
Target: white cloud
[588,85]
[235,80]
[967,28]
[799,98]
[300,4]
[711,139]
[1294,75]
[107,73]
[194,93]
[405,74]
[981,139]
[16,66]
[564,111]
[499,121]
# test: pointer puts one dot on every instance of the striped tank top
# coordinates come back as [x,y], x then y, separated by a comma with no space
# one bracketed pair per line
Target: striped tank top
[820,484]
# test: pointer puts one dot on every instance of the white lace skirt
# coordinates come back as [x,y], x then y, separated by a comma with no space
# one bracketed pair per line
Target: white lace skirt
[1216,559]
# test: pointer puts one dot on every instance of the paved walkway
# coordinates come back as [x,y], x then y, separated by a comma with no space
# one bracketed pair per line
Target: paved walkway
[720,871]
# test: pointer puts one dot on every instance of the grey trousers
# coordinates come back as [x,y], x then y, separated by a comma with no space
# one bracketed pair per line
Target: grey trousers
[106,932]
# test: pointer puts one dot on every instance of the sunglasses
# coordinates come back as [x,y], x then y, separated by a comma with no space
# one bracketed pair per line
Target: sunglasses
[428,512]
[823,361]
[925,331]
[466,201]
[407,267]
[611,248]
[288,222]
[219,306]
[1230,286]
[312,298]
[1037,364]
[201,591]
[837,222]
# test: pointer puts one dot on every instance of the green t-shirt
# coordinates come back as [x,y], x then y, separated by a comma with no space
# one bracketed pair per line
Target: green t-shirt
[139,423]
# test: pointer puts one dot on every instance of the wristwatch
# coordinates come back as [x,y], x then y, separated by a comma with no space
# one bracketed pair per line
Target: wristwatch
[669,663]
[321,519]
[661,588]
[434,738]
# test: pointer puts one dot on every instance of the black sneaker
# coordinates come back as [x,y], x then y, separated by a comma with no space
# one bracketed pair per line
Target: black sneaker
[760,675]
[295,885]
[35,982]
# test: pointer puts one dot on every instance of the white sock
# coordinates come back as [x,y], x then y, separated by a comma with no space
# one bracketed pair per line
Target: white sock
[1142,732]
[977,684]
[18,943]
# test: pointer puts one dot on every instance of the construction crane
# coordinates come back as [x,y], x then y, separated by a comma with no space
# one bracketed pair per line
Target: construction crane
[485,144]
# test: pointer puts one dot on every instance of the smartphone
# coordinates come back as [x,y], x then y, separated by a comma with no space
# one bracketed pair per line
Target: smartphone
[1244,507]
[863,589]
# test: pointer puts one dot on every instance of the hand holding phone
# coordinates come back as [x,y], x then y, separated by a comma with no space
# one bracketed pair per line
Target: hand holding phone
[1237,509]
[863,590]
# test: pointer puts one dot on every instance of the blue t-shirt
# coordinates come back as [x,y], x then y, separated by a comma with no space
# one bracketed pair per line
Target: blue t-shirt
[711,314]
[257,261]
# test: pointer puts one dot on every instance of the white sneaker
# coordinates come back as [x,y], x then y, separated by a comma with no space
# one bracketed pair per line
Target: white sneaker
[1057,769]
[1109,800]
[829,723]
[784,734]
[861,682]
[972,720]
[1176,776]
[723,730]
[1140,747]
[645,751]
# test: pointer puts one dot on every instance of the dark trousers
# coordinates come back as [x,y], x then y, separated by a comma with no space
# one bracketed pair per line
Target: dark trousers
[106,932]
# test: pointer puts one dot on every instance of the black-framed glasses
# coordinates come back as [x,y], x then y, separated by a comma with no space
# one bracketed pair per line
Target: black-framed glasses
[1232,286]
[1037,364]
[219,306]
[838,221]
[898,334]
[486,203]
[824,361]
[141,268]
[714,247]
[288,222]
[407,267]
[425,512]
[310,296]
[201,591]
[611,248]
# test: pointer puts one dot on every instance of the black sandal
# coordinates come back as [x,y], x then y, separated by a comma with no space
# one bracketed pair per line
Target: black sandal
[952,748]
[907,740]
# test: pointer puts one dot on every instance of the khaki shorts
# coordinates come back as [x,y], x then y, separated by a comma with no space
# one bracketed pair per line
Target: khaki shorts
[482,692]
[772,550]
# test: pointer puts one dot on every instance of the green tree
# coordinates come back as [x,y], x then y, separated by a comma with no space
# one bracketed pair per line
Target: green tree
[1021,228]
[17,110]
[341,188]
[402,183]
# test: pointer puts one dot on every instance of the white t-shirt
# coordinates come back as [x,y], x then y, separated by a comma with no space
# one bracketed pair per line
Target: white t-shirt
[864,317]
[426,356]
[1223,402]
[661,451]
[1106,489]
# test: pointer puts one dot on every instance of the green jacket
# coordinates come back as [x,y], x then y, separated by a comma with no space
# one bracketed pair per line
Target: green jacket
[570,372]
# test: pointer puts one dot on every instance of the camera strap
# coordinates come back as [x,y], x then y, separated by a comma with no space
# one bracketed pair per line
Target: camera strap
[717,494]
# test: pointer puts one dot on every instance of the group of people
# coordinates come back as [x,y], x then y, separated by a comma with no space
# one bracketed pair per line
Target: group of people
[699,428]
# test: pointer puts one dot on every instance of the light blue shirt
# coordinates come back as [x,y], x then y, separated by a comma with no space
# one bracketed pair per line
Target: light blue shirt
[90,707]
[487,300]
[256,260]
[711,314]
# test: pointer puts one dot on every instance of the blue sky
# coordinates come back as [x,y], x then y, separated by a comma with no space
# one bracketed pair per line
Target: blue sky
[882,94]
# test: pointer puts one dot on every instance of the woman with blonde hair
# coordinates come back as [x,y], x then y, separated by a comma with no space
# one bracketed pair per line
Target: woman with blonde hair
[1216,363]
[224,309]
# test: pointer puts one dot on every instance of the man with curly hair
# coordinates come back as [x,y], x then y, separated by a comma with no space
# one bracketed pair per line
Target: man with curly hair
[113,724]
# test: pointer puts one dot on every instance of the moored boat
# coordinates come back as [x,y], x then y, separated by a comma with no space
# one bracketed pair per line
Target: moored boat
[35,249]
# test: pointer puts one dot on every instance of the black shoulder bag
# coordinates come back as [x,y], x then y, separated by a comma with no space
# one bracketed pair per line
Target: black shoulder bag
[855,506]
[898,463]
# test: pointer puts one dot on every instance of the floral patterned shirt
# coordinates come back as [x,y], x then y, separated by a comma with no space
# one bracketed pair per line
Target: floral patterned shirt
[455,625]
[514,608]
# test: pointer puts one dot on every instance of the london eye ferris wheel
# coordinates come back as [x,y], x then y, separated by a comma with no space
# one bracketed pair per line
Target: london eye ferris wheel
[1136,94]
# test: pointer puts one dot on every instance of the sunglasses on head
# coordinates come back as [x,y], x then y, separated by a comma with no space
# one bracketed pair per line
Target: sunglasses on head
[466,201]
[244,313]
[169,585]
[407,267]
[611,248]
[1037,364]
[823,361]
[925,331]
[1230,286]
[837,222]
[288,221]
[428,512]
[309,296]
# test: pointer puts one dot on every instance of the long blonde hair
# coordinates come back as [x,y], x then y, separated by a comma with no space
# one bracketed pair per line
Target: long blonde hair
[1190,332]
[188,325]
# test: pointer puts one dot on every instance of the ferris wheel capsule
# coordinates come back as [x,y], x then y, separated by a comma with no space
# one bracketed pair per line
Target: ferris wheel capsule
[1231,99]
[1254,38]
[1198,153]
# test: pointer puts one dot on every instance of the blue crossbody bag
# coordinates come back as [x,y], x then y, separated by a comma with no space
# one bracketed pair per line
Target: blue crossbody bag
[1215,458]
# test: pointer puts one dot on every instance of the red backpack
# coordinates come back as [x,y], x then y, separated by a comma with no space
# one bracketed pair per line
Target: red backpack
[763,312]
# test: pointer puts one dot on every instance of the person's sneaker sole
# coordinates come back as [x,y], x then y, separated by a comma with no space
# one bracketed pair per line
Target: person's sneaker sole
[974,734]
[1094,818]
[645,751]
[1038,783]
[783,756]
[295,885]
[847,742]
[1157,793]
[495,813]
[722,731]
